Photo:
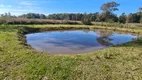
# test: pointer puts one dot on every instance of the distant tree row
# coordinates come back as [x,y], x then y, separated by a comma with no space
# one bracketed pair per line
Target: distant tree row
[97,17]
[33,16]
[73,16]
[106,16]
[7,15]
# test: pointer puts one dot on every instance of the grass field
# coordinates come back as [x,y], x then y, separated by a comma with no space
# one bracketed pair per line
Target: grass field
[20,62]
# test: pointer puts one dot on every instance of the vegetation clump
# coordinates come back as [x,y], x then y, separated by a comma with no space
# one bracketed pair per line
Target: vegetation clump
[86,20]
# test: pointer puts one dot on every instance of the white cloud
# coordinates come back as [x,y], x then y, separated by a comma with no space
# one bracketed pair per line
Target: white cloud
[1,5]
[15,11]
[5,6]
[9,6]
[22,7]
[24,3]
[34,3]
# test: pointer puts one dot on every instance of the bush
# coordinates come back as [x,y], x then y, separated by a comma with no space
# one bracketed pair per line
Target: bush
[141,20]
[110,21]
[86,21]
[97,20]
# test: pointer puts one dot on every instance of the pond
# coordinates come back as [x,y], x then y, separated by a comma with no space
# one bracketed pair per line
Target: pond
[76,41]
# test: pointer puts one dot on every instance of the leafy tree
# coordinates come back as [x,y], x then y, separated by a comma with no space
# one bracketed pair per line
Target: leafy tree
[133,18]
[122,18]
[140,14]
[130,18]
[110,6]
[107,14]
[140,9]
[93,16]
[33,16]
[141,20]
[108,17]
[98,20]
[7,15]
[86,20]
[42,16]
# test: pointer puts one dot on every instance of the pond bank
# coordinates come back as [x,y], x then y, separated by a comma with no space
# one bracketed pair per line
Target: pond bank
[41,28]
[22,30]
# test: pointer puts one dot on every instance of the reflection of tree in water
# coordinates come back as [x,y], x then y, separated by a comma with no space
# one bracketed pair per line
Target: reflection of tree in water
[103,38]
[86,31]
[139,36]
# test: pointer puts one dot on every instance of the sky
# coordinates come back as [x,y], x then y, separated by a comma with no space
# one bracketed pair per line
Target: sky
[18,7]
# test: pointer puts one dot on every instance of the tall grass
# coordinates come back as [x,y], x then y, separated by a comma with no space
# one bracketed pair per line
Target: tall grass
[35,21]
[24,21]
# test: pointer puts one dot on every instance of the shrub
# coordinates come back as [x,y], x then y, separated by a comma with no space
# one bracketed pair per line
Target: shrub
[97,20]
[86,21]
[141,20]
[110,21]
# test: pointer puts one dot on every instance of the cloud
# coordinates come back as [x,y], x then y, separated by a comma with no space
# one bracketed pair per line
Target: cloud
[9,6]
[19,11]
[5,6]
[19,7]
[35,3]
[15,11]
[1,5]
[24,3]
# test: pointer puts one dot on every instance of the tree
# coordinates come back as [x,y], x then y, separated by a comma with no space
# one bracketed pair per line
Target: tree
[7,15]
[86,20]
[33,16]
[110,6]
[122,18]
[73,16]
[108,17]
[141,20]
[133,18]
[130,18]
[108,9]
[93,16]
[42,16]
[140,9]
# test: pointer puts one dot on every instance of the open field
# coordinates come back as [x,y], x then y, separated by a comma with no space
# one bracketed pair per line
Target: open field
[19,62]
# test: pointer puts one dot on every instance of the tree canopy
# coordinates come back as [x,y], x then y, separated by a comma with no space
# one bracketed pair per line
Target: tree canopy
[140,9]
[33,16]
[110,6]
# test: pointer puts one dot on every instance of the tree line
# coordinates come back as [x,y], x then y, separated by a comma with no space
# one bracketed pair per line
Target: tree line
[107,15]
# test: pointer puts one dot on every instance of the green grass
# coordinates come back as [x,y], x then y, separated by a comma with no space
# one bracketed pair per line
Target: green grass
[19,62]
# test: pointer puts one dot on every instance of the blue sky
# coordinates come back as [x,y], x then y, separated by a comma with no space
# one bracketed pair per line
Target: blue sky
[18,7]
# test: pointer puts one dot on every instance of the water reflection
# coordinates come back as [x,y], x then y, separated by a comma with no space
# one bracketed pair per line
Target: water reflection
[78,41]
[104,37]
